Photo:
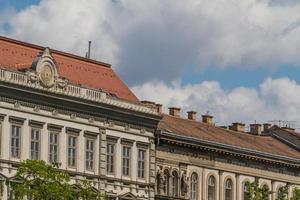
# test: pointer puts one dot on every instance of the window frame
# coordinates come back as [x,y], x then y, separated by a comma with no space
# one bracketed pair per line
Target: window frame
[226,188]
[89,139]
[128,158]
[144,161]
[175,187]
[75,147]
[244,185]
[19,142]
[57,134]
[113,156]
[32,131]
[213,186]
[194,186]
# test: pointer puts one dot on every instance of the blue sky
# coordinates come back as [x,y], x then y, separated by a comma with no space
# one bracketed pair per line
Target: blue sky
[221,56]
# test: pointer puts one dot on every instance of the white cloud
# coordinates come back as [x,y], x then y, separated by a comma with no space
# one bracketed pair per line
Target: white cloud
[275,99]
[160,39]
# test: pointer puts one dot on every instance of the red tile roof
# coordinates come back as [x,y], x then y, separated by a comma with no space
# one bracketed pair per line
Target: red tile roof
[199,130]
[78,70]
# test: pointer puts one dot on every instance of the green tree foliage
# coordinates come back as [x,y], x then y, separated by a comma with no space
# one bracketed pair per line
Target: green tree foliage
[262,193]
[42,181]
[258,193]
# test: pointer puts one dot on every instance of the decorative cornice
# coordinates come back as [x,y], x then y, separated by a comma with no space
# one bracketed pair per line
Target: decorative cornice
[30,80]
[228,149]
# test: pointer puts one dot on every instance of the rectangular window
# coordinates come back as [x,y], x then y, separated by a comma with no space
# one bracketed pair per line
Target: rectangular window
[35,144]
[72,140]
[141,163]
[15,141]
[89,154]
[53,147]
[126,161]
[110,153]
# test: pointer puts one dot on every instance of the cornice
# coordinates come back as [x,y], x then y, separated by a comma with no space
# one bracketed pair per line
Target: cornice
[228,149]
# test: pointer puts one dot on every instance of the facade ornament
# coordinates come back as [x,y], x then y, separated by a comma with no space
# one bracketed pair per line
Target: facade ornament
[62,82]
[55,112]
[184,184]
[45,67]
[32,77]
[160,181]
[17,105]
[36,109]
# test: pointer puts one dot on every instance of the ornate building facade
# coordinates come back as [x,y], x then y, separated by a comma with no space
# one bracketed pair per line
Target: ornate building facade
[76,112]
[199,161]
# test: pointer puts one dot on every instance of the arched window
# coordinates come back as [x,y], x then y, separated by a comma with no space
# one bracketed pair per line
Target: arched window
[211,189]
[265,192]
[228,189]
[166,182]
[194,186]
[246,190]
[174,184]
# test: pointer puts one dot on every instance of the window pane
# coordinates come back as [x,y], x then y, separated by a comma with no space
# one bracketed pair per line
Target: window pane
[110,158]
[15,141]
[126,161]
[194,186]
[53,148]
[141,163]
[72,151]
[89,154]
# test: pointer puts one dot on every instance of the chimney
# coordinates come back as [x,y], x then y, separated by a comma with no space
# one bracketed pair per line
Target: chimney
[267,126]
[159,108]
[208,119]
[174,111]
[255,129]
[192,115]
[237,126]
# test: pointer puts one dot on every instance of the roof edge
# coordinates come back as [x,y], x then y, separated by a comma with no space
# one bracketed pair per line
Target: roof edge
[55,51]
[292,160]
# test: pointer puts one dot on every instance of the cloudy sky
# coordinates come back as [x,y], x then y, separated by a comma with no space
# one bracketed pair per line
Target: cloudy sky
[239,60]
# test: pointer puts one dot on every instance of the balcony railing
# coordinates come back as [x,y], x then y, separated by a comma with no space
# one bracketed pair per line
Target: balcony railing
[20,78]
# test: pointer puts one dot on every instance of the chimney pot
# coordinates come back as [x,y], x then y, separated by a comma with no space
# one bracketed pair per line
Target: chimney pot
[192,115]
[208,119]
[174,111]
[255,129]
[237,126]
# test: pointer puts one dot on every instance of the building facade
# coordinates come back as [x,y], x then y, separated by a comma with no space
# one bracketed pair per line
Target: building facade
[199,161]
[78,113]
[75,112]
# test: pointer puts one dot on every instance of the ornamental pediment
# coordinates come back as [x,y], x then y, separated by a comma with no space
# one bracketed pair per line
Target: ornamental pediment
[45,71]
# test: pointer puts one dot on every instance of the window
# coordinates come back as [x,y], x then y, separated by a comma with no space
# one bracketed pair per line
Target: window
[265,192]
[53,147]
[194,186]
[110,150]
[72,151]
[228,189]
[211,193]
[141,163]
[15,141]
[89,154]
[175,184]
[126,161]
[166,182]
[35,144]
[246,191]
